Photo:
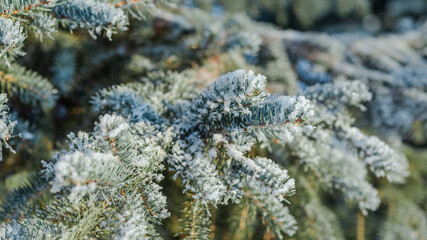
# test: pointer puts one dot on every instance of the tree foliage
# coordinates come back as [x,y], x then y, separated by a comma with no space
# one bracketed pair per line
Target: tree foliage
[190,140]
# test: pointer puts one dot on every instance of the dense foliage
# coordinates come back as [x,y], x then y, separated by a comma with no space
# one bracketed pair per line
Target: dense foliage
[194,120]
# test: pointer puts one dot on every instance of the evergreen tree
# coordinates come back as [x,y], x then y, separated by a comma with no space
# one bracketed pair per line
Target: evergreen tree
[168,140]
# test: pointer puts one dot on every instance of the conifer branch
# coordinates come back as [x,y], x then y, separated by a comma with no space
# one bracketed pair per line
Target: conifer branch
[6,125]
[28,86]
